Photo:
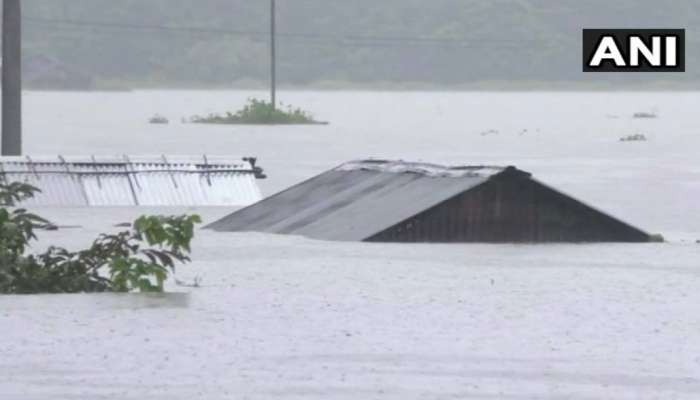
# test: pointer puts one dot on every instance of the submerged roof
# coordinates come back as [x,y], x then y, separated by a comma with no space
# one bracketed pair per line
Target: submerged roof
[135,181]
[357,200]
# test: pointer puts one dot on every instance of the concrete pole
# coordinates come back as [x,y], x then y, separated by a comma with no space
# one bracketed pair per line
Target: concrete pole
[273,55]
[11,78]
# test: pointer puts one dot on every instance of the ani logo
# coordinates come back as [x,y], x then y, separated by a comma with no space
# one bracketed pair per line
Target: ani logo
[634,50]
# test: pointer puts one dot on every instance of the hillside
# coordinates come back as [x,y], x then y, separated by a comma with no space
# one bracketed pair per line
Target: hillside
[364,42]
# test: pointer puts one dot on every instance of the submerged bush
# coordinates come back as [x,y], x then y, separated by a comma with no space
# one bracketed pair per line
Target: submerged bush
[138,259]
[645,115]
[158,120]
[259,112]
[634,138]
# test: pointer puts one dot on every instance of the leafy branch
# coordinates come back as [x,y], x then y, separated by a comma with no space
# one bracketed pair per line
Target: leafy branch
[138,259]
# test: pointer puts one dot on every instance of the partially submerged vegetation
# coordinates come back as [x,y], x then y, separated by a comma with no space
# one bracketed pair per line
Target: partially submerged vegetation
[260,112]
[138,259]
[645,115]
[634,138]
[158,120]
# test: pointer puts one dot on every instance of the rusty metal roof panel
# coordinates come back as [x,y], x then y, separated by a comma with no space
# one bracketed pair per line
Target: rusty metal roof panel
[356,200]
[130,181]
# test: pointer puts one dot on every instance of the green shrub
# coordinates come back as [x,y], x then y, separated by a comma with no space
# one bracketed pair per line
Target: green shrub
[259,112]
[138,259]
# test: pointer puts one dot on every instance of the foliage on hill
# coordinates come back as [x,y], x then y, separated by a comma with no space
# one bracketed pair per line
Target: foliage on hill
[446,42]
[137,259]
[259,112]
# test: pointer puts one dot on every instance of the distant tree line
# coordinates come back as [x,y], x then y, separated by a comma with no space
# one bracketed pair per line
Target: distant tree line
[224,42]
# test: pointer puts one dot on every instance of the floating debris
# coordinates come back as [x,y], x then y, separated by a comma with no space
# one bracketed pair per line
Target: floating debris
[489,132]
[645,115]
[158,120]
[634,138]
[196,283]
[53,227]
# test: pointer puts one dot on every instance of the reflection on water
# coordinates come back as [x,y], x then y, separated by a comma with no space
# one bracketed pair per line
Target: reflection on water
[101,301]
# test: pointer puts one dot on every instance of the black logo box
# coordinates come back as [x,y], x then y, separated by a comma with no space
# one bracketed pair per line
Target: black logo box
[592,38]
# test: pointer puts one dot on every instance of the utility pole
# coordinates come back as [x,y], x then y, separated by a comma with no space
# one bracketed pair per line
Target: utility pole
[273,55]
[11,78]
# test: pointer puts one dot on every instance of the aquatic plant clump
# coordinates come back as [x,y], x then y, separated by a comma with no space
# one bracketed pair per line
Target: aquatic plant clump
[259,112]
[158,120]
[645,115]
[634,138]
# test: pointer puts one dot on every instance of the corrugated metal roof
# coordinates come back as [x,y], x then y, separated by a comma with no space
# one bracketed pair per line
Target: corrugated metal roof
[130,181]
[356,200]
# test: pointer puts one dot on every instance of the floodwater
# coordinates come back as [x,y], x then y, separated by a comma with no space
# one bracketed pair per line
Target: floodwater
[569,140]
[288,317]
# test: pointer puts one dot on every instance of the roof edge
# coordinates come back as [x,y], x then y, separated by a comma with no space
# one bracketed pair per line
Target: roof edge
[640,231]
[426,169]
